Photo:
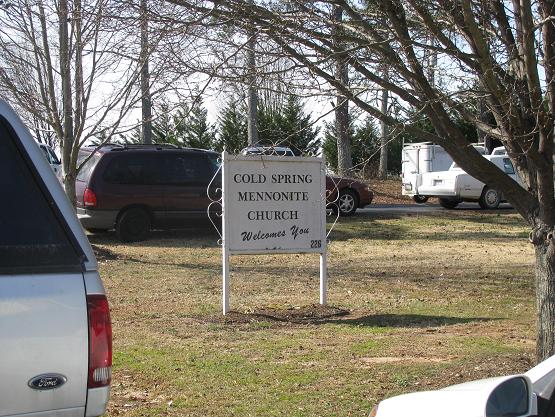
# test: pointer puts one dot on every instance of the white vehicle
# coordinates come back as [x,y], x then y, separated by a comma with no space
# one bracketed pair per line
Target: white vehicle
[417,159]
[268,150]
[528,395]
[500,150]
[455,185]
[52,159]
[55,331]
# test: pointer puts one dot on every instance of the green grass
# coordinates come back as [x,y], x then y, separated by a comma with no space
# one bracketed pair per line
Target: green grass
[431,301]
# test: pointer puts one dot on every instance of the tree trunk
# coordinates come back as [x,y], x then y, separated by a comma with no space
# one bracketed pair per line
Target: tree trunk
[146,100]
[69,187]
[67,104]
[252,116]
[545,297]
[344,157]
[384,138]
[252,100]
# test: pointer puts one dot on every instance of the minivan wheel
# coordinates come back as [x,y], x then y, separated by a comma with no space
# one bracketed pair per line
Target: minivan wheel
[133,225]
[490,198]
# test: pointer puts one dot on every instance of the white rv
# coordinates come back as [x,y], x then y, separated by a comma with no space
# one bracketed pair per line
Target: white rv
[419,159]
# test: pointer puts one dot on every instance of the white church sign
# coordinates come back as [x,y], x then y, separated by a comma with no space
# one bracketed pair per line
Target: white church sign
[273,204]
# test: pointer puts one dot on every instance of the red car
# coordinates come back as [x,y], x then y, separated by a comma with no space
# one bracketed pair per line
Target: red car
[345,195]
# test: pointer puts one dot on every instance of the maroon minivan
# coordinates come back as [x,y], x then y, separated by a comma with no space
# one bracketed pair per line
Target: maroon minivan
[134,188]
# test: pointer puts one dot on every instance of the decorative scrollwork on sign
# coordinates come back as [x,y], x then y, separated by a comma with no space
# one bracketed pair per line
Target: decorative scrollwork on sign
[214,193]
[331,205]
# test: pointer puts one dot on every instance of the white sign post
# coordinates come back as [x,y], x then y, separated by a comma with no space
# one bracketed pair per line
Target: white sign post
[273,204]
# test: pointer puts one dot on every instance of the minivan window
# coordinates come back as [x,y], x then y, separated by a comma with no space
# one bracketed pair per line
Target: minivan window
[189,169]
[136,169]
[32,231]
[215,162]
[86,170]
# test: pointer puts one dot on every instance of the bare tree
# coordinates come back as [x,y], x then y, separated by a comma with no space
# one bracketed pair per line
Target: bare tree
[506,48]
[53,55]
[252,100]
[342,122]
[146,100]
[384,135]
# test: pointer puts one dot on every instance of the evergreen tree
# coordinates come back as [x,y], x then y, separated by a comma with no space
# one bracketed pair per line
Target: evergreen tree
[180,125]
[186,126]
[424,123]
[329,145]
[302,136]
[127,138]
[270,132]
[163,128]
[192,128]
[288,126]
[365,145]
[232,135]
[130,138]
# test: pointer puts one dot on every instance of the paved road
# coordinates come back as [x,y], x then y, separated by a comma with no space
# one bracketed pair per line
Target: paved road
[421,208]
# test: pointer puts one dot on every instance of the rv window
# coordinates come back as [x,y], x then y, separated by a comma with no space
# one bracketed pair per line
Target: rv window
[32,231]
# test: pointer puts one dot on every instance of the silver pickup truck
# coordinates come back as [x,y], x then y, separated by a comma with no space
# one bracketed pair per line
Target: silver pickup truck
[55,330]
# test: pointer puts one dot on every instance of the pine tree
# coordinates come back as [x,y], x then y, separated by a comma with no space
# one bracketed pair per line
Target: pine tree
[132,137]
[192,128]
[232,129]
[302,136]
[163,128]
[288,126]
[269,123]
[365,145]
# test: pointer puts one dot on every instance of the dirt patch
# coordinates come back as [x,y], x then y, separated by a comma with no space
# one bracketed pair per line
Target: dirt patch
[388,192]
[299,315]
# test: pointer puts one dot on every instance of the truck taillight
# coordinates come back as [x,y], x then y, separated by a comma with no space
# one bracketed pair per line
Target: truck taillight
[89,198]
[100,341]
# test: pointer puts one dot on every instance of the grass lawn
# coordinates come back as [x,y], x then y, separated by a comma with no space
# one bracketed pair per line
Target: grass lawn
[416,302]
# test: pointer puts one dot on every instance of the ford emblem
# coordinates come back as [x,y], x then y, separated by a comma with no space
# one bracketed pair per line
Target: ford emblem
[47,381]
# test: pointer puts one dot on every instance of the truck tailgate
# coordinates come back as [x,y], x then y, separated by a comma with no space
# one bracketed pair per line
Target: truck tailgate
[43,331]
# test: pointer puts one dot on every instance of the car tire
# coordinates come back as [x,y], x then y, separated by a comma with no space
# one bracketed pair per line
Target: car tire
[347,202]
[420,199]
[490,198]
[133,225]
[448,203]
